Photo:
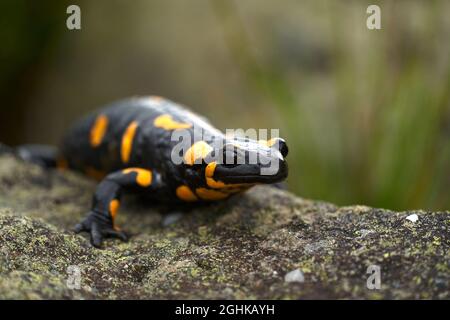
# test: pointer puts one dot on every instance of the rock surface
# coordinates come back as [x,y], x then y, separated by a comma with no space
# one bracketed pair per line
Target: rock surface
[242,248]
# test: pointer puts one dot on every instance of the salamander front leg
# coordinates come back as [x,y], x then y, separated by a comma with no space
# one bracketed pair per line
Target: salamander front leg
[100,220]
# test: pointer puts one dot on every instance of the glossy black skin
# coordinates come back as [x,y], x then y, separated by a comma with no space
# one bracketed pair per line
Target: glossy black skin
[151,150]
[152,147]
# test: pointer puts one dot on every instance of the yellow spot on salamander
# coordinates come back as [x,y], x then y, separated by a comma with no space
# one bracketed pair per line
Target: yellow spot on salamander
[113,208]
[186,194]
[210,168]
[198,150]
[143,178]
[166,122]
[208,194]
[215,184]
[98,130]
[227,188]
[127,141]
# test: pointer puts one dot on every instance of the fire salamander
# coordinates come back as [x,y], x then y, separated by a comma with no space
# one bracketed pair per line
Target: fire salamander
[128,147]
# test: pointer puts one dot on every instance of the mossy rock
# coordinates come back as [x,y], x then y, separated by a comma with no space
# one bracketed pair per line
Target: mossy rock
[241,248]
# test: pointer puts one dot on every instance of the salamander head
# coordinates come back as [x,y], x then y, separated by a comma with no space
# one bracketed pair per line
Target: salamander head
[240,163]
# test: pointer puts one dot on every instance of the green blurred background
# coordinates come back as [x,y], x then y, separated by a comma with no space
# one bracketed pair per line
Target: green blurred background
[366,113]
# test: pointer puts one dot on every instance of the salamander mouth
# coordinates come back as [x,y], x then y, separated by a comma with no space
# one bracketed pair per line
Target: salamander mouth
[259,177]
[266,179]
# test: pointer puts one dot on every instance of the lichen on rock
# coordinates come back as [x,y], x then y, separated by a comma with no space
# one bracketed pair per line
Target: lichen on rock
[241,248]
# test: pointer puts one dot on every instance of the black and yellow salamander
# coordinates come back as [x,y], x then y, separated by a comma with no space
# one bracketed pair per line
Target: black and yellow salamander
[129,147]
